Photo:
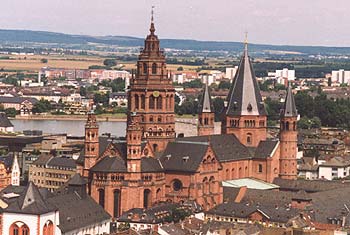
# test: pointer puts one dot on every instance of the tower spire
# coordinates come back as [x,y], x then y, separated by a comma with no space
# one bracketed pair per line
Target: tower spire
[152,29]
[246,42]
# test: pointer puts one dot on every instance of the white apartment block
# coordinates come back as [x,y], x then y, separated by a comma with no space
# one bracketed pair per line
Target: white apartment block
[341,76]
[231,72]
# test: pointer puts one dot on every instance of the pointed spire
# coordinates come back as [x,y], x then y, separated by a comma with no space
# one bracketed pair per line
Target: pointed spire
[152,28]
[244,97]
[246,44]
[206,104]
[289,109]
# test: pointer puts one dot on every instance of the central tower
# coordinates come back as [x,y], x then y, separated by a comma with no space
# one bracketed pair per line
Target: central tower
[245,114]
[151,95]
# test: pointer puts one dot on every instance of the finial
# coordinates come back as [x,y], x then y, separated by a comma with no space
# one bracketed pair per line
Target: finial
[152,29]
[152,14]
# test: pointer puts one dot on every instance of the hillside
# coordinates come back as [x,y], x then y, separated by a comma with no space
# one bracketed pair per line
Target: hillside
[18,36]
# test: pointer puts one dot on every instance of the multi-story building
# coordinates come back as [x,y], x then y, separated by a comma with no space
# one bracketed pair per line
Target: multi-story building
[33,210]
[341,76]
[51,172]
[150,165]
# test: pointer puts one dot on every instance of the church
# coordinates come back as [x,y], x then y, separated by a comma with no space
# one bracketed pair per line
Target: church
[152,165]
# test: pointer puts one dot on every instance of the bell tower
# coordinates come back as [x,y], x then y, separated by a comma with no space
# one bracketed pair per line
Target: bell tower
[288,138]
[133,140]
[205,114]
[91,143]
[152,95]
[245,115]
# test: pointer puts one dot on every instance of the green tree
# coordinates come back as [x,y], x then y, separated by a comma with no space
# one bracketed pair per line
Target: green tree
[11,112]
[180,68]
[44,60]
[109,62]
[224,85]
[42,106]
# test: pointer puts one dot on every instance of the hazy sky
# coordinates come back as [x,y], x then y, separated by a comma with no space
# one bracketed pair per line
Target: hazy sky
[293,22]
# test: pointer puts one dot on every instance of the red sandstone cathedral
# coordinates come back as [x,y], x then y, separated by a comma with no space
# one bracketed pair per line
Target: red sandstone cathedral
[151,165]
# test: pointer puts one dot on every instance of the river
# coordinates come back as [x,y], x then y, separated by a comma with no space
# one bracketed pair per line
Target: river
[71,127]
[76,127]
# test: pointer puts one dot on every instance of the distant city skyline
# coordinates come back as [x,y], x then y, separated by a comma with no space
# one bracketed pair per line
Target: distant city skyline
[297,22]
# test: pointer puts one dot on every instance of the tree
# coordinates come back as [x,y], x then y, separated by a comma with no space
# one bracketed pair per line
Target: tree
[180,68]
[224,85]
[11,112]
[42,106]
[218,104]
[110,62]
[44,60]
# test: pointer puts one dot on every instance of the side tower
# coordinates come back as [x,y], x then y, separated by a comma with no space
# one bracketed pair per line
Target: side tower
[288,138]
[133,140]
[91,143]
[152,94]
[245,114]
[206,114]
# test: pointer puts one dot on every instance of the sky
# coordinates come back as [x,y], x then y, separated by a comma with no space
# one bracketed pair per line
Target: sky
[282,22]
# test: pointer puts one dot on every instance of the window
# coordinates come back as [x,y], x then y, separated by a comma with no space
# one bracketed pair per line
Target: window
[144,68]
[177,185]
[260,168]
[249,138]
[154,68]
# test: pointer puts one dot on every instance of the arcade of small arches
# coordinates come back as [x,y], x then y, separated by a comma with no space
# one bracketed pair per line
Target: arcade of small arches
[140,102]
[247,123]
[288,126]
[20,228]
[143,68]
[205,121]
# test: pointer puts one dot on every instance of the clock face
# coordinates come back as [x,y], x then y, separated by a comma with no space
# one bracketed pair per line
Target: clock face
[155,93]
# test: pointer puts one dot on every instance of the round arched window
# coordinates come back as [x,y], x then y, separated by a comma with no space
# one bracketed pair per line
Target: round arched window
[177,185]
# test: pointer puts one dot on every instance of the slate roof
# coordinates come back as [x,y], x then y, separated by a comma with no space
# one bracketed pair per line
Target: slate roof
[50,161]
[183,156]
[331,204]
[29,201]
[289,109]
[205,105]
[4,121]
[7,160]
[265,148]
[150,164]
[244,96]
[77,212]
[110,164]
[77,179]
[309,186]
[244,210]
[151,215]
[17,100]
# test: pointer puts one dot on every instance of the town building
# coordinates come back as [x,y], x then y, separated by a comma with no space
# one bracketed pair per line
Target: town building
[31,210]
[22,104]
[340,76]
[51,172]
[151,165]
[5,123]
[9,171]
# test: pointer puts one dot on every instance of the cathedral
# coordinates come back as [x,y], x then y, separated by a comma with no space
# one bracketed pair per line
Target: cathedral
[150,164]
